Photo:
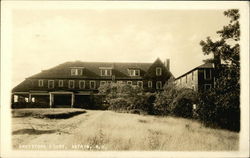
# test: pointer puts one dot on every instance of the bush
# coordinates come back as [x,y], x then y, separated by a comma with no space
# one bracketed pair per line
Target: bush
[219,109]
[182,104]
[29,105]
[123,97]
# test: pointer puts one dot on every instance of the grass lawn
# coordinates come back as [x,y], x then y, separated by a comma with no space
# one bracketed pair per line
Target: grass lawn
[108,130]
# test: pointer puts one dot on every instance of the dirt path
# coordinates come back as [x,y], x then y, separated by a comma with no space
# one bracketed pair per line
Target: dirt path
[51,131]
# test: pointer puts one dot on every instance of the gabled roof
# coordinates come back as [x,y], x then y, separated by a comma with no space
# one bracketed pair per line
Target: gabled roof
[203,66]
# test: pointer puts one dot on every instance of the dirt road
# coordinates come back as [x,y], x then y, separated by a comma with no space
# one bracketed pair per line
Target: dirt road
[107,130]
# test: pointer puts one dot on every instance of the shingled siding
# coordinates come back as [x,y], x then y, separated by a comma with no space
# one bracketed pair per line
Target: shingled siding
[199,79]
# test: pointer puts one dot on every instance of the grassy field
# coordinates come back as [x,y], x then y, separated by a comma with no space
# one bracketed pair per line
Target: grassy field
[107,130]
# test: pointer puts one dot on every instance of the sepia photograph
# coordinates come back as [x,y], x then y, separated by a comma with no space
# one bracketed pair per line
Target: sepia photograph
[123,77]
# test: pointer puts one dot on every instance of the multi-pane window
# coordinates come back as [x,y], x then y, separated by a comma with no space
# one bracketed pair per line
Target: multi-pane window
[50,83]
[134,72]
[140,84]
[129,82]
[102,82]
[92,85]
[158,85]
[71,84]
[150,84]
[76,71]
[207,86]
[158,71]
[81,84]
[106,72]
[40,83]
[207,74]
[60,83]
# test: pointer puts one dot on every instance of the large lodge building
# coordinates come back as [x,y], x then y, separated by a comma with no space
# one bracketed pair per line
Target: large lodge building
[75,83]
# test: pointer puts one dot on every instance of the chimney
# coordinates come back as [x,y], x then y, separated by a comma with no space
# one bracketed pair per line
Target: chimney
[167,64]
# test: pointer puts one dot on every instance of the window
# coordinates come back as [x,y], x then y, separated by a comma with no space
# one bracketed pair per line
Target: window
[120,82]
[60,83]
[150,84]
[134,72]
[76,71]
[82,84]
[207,74]
[106,72]
[51,84]
[102,82]
[158,85]
[92,84]
[109,82]
[129,82]
[40,83]
[158,71]
[207,86]
[140,84]
[71,84]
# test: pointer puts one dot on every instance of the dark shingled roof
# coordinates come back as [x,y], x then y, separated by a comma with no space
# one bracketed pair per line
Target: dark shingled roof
[203,66]
[91,70]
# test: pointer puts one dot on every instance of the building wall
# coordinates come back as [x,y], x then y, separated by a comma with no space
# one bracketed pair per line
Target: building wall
[203,80]
[190,80]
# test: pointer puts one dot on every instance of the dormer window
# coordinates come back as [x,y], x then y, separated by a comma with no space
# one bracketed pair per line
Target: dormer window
[76,71]
[134,72]
[158,71]
[106,71]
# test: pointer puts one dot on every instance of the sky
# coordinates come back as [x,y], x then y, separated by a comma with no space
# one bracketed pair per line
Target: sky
[43,39]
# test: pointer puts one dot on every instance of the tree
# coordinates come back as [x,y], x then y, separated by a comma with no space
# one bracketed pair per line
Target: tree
[221,105]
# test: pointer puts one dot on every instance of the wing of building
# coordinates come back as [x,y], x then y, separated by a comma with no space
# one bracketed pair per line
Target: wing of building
[199,79]
[75,83]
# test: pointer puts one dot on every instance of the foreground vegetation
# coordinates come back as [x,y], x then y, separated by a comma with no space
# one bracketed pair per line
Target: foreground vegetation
[107,130]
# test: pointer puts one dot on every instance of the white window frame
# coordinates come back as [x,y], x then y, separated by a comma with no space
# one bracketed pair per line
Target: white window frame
[60,83]
[104,72]
[205,88]
[76,71]
[70,84]
[132,72]
[40,83]
[138,84]
[158,71]
[53,85]
[102,83]
[150,84]
[157,87]
[205,74]
[82,87]
[91,84]
[129,83]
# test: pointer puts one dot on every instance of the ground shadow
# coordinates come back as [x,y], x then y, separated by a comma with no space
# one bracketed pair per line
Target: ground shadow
[64,115]
[32,132]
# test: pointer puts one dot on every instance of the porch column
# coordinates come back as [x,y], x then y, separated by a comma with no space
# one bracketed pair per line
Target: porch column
[51,99]
[72,99]
[29,97]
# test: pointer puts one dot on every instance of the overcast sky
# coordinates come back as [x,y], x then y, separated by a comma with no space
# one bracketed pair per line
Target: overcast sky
[45,38]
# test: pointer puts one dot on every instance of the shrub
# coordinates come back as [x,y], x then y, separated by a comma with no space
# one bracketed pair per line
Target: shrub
[182,104]
[219,109]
